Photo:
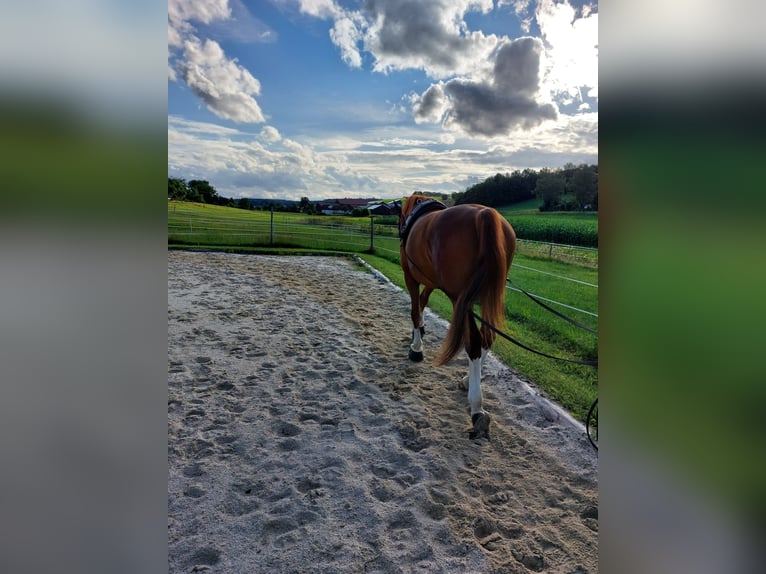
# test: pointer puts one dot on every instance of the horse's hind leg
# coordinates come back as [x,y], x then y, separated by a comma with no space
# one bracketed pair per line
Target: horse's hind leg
[479,417]
[416,346]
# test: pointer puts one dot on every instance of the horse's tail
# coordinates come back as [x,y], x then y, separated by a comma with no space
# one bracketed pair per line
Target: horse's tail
[487,287]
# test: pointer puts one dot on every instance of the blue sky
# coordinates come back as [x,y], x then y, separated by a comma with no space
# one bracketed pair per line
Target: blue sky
[377,98]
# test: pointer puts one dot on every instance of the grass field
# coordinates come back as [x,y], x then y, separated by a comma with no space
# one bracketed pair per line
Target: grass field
[572,283]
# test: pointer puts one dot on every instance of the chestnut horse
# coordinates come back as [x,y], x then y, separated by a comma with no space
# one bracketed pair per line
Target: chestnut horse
[465,251]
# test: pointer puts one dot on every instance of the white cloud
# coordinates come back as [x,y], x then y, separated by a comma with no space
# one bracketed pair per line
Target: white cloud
[346,34]
[347,29]
[182,12]
[571,47]
[204,11]
[226,87]
[180,124]
[174,37]
[270,134]
[319,8]
[386,161]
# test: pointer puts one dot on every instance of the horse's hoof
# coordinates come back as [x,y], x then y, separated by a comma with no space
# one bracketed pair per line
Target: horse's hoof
[416,356]
[480,426]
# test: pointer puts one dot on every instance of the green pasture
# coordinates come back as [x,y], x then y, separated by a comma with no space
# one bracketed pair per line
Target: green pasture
[570,228]
[212,225]
[571,283]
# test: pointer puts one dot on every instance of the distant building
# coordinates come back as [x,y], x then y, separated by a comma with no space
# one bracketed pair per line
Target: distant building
[341,206]
[380,209]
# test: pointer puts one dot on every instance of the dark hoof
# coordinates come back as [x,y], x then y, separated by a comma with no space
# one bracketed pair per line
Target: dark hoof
[416,356]
[480,423]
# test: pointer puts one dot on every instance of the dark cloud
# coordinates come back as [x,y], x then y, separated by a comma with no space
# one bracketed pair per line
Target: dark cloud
[430,106]
[408,28]
[430,35]
[497,106]
[517,67]
[483,110]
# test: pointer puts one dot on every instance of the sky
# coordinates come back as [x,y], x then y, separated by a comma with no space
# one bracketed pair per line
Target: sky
[377,98]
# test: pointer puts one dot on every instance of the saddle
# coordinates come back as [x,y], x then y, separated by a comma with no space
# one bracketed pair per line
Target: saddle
[420,210]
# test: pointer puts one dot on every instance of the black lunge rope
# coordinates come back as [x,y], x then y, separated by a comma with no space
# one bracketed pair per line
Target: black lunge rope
[554,311]
[530,349]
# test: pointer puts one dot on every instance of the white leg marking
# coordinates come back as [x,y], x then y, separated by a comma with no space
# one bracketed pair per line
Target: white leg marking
[474,385]
[417,342]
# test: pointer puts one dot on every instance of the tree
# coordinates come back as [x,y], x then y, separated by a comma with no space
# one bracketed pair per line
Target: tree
[500,189]
[530,181]
[550,188]
[305,206]
[177,189]
[457,197]
[244,203]
[584,185]
[206,191]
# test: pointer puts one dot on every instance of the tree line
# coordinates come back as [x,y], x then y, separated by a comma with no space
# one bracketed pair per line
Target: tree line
[201,191]
[570,188]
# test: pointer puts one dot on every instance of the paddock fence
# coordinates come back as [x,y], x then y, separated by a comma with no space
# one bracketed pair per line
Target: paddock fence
[285,230]
[377,236]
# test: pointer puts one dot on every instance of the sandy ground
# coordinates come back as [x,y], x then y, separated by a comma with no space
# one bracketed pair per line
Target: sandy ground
[302,439]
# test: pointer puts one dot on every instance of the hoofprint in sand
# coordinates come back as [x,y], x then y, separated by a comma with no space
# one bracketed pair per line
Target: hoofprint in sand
[302,439]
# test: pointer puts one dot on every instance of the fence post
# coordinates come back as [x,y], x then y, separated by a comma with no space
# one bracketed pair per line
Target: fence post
[271,226]
[372,234]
